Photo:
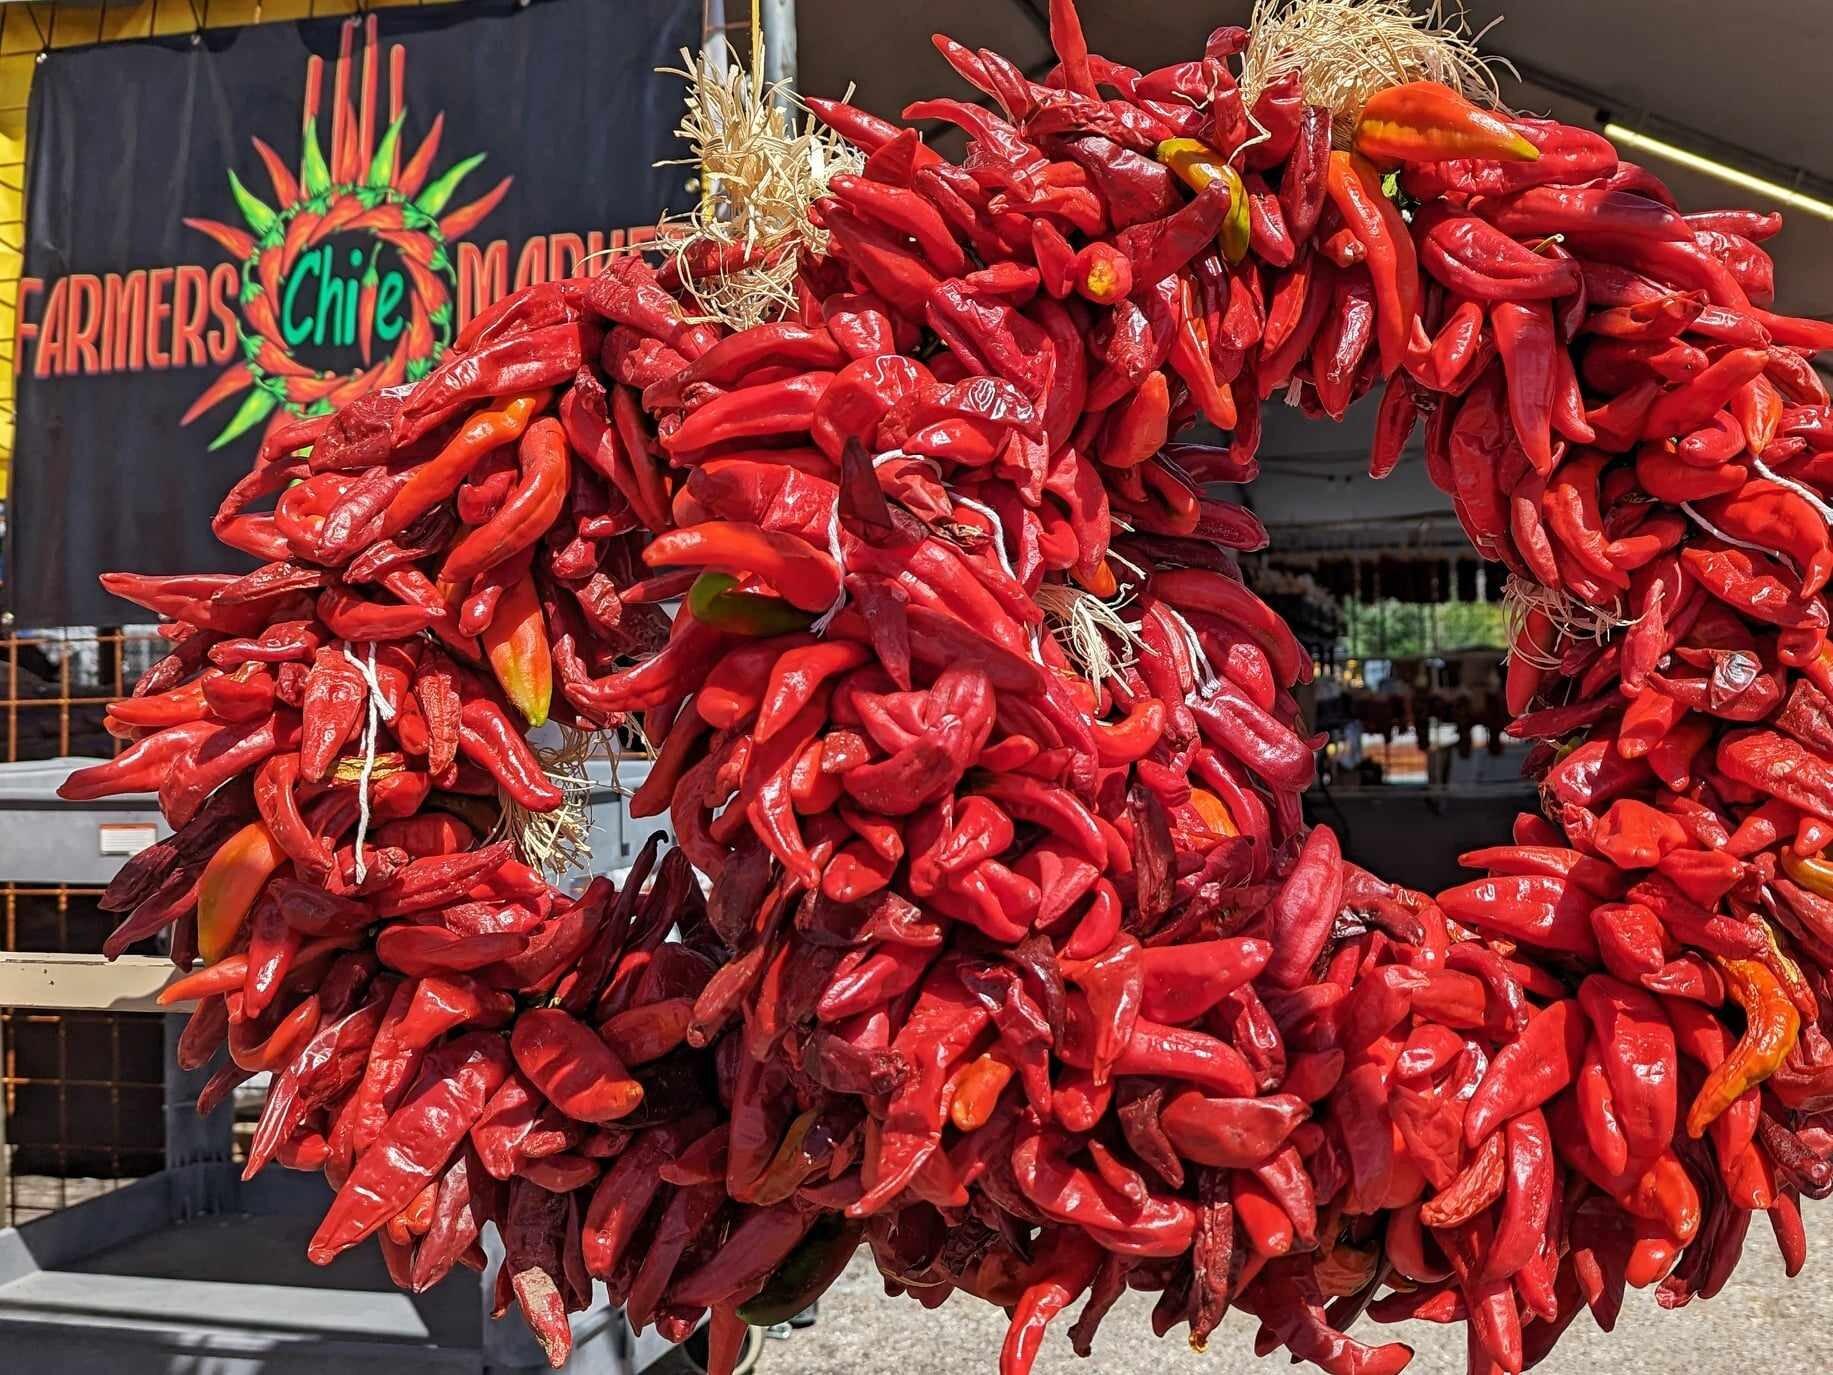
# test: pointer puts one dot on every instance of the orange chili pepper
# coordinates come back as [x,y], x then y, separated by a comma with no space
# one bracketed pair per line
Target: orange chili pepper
[1213,812]
[1354,187]
[1426,121]
[516,643]
[1100,580]
[977,1087]
[437,478]
[528,511]
[229,886]
[1770,1030]
[212,980]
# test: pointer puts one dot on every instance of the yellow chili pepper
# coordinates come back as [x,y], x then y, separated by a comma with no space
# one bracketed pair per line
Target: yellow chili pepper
[516,643]
[1787,973]
[1197,165]
[1771,1025]
[229,886]
[1815,875]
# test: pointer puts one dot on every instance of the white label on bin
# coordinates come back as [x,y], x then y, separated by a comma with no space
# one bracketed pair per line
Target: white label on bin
[125,837]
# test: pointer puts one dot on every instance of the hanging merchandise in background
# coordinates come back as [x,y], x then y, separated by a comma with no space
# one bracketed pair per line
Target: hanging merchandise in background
[225,234]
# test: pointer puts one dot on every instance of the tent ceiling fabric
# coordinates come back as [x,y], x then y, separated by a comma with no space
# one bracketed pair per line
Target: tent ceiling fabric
[1686,64]
[1750,76]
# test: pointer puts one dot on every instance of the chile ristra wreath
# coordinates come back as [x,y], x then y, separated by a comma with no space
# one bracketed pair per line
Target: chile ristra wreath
[1016,959]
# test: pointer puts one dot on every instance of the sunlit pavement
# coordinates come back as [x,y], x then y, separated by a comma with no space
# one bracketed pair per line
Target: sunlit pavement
[1761,1321]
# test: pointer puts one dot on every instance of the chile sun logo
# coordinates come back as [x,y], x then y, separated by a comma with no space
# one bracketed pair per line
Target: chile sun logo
[348,282]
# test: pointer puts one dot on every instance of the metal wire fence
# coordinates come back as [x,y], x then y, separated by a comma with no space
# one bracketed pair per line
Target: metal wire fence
[82,1091]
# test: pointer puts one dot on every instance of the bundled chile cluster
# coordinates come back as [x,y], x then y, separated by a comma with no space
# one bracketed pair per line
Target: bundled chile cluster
[1015,960]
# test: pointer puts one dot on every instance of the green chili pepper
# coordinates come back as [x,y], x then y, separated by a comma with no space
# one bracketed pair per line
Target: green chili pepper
[714,602]
[807,1273]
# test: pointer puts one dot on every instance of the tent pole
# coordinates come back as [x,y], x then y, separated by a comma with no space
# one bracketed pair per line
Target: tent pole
[778,19]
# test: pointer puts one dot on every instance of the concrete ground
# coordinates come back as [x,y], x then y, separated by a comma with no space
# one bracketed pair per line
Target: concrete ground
[1761,1321]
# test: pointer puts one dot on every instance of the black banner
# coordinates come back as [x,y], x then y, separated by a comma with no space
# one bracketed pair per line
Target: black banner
[228,233]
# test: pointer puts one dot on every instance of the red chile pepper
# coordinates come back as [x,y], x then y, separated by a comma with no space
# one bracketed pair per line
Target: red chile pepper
[140,768]
[1261,741]
[1478,448]
[1583,211]
[755,1246]
[1302,188]
[805,577]
[883,264]
[1572,515]
[1071,48]
[278,806]
[1344,249]
[905,213]
[1305,909]
[1777,517]
[1300,299]
[1062,1268]
[1461,351]
[1336,352]
[335,694]
[866,130]
[1664,475]
[1230,1133]
[1138,427]
[437,479]
[490,739]
[1527,1072]
[1756,586]
[733,358]
[171,595]
[1595,1101]
[173,708]
[771,408]
[1681,411]
[1479,262]
[350,617]
[417,1143]
[943,1023]
[1270,237]
[1394,422]
[1636,1046]
[574,1069]
[1526,342]
[1161,247]
[1215,594]
[1758,408]
[1190,358]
